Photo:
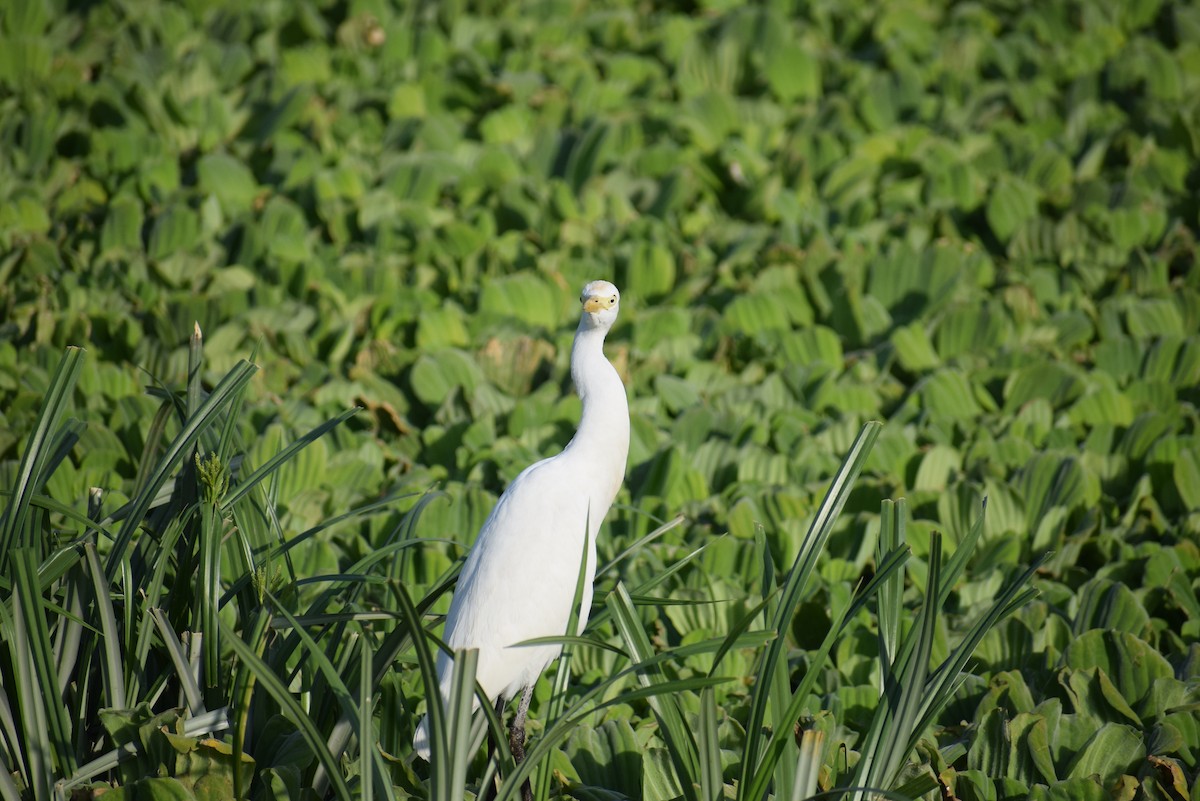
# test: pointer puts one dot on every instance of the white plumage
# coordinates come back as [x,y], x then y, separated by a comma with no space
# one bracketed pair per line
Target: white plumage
[519,579]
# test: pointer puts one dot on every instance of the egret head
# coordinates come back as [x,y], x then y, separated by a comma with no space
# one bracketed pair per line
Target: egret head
[601,302]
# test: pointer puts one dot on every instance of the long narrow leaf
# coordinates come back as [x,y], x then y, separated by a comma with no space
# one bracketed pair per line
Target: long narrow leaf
[678,736]
[208,595]
[641,542]
[243,691]
[782,735]
[435,708]
[8,788]
[329,672]
[280,459]
[892,518]
[770,665]
[179,658]
[887,741]
[958,562]
[37,673]
[558,698]
[458,720]
[712,785]
[30,473]
[808,764]
[366,730]
[114,668]
[944,678]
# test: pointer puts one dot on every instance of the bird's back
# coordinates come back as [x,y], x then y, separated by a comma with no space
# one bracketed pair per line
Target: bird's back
[519,580]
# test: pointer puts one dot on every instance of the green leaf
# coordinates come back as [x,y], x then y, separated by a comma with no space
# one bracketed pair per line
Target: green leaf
[1131,663]
[650,273]
[608,756]
[914,349]
[176,230]
[587,157]
[122,231]
[229,180]
[1112,751]
[813,346]
[1054,382]
[1187,479]
[153,789]
[522,297]
[792,72]
[1011,203]
[434,376]
[755,313]
[1105,604]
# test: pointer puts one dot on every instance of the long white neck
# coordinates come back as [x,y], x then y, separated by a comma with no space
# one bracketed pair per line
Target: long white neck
[603,436]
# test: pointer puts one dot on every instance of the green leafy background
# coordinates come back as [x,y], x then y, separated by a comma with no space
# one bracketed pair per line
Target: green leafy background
[974,221]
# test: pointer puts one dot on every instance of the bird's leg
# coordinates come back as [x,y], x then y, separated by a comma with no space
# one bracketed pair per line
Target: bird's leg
[489,794]
[516,738]
[516,734]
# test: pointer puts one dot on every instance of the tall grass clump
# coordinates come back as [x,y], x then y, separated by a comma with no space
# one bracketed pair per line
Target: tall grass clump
[168,647]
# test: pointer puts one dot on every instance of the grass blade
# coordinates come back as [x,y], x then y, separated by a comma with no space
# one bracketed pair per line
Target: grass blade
[410,625]
[781,735]
[675,732]
[183,668]
[642,542]
[458,719]
[243,691]
[214,480]
[47,728]
[372,768]
[195,360]
[8,788]
[892,518]
[113,665]
[366,733]
[558,698]
[712,785]
[958,562]
[771,665]
[325,667]
[31,472]
[886,744]
[944,679]
[280,459]
[808,764]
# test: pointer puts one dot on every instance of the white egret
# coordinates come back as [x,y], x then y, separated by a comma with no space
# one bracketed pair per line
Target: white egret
[519,579]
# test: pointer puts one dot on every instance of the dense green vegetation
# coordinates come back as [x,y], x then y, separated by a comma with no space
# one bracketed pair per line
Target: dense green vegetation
[973,222]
